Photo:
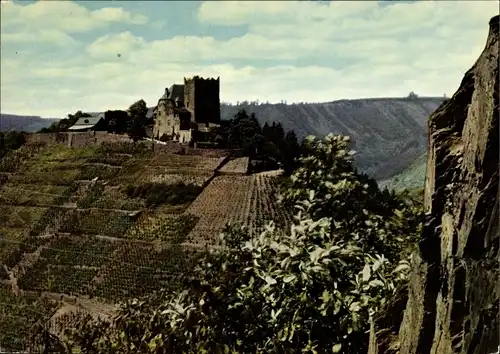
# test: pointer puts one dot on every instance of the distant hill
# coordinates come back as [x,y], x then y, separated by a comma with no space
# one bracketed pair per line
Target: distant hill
[28,124]
[388,133]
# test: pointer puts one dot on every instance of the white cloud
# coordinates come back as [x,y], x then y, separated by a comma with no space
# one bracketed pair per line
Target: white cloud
[54,21]
[111,45]
[50,36]
[158,24]
[117,85]
[346,50]
[116,14]
[344,20]
[341,30]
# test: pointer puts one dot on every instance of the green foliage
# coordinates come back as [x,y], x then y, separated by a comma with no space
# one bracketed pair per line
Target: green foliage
[268,144]
[291,150]
[245,133]
[117,121]
[160,193]
[97,222]
[94,192]
[171,229]
[88,172]
[310,289]
[350,199]
[137,113]
[18,317]
[10,141]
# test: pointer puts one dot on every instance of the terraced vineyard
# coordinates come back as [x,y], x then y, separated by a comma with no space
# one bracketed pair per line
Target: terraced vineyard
[19,315]
[246,200]
[86,223]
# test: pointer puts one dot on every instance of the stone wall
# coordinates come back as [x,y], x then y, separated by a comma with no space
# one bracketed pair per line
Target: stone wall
[172,147]
[81,139]
[454,289]
[77,139]
[48,138]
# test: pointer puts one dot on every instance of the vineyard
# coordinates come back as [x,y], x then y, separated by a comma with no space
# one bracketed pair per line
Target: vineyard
[18,315]
[245,200]
[108,222]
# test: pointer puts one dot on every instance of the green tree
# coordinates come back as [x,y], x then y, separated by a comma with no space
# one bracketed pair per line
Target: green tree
[117,121]
[291,151]
[11,140]
[245,133]
[137,113]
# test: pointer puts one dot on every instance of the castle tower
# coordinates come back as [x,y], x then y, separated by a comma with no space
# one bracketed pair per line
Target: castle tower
[201,98]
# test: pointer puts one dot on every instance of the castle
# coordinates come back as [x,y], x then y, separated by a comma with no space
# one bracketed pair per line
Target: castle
[185,109]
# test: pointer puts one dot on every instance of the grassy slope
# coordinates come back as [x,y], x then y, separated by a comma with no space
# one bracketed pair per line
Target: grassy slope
[411,178]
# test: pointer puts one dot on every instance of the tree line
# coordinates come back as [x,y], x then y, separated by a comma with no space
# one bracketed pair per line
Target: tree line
[268,145]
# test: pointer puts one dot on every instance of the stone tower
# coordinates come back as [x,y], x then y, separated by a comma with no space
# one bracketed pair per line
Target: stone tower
[201,98]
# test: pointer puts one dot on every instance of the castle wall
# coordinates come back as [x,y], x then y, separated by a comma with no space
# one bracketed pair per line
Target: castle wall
[164,122]
[202,99]
[190,96]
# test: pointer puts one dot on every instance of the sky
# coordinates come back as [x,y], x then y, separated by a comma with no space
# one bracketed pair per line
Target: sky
[58,57]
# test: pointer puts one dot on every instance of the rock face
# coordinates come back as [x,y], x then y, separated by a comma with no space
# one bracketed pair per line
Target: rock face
[454,290]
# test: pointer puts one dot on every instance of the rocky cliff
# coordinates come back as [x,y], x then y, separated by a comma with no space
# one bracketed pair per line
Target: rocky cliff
[452,303]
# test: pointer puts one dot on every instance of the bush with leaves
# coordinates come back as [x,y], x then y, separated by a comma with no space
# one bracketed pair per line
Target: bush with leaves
[312,288]
[10,141]
[380,221]
[137,127]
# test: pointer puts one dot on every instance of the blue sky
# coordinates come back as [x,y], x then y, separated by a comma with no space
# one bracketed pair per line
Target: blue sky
[58,57]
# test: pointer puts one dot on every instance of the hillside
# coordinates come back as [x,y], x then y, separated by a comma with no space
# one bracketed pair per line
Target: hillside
[388,133]
[133,230]
[28,124]
[411,178]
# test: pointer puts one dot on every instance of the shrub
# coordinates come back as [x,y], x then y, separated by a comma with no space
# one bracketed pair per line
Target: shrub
[10,141]
[159,193]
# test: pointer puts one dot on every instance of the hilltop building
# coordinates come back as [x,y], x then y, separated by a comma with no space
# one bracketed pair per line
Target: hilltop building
[94,123]
[189,110]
